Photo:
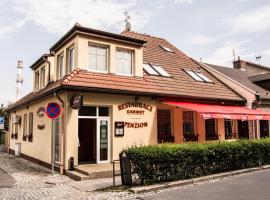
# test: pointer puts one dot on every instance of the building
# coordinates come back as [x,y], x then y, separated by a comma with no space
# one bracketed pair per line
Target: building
[251,81]
[135,89]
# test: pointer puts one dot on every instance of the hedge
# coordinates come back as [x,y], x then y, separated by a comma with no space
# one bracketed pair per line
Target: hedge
[168,162]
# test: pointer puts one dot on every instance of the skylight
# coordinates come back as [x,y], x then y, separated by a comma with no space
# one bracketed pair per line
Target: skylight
[161,71]
[206,79]
[149,70]
[197,76]
[166,49]
[194,76]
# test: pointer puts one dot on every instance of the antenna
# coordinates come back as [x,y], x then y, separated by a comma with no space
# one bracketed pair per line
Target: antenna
[258,58]
[127,21]
[19,79]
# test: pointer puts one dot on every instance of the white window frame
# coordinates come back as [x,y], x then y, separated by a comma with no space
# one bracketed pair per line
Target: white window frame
[37,81]
[71,62]
[42,77]
[149,69]
[132,61]
[107,57]
[60,69]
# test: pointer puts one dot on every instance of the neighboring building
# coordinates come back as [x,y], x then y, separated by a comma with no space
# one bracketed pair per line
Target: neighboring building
[136,89]
[251,81]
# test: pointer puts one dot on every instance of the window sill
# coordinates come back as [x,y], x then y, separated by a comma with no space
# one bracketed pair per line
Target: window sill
[98,71]
[128,75]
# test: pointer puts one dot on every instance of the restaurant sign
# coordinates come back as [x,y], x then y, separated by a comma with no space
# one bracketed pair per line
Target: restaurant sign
[135,108]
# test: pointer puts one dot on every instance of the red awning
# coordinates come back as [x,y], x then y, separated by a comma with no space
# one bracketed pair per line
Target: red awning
[209,111]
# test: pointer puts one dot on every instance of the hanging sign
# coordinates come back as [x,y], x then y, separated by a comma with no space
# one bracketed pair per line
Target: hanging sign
[2,121]
[76,101]
[53,110]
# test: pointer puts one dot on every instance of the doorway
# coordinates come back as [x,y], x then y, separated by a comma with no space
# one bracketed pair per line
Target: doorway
[87,141]
[264,128]
[243,131]
[94,134]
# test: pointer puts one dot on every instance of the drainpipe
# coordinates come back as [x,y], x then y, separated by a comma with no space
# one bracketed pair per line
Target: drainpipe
[62,160]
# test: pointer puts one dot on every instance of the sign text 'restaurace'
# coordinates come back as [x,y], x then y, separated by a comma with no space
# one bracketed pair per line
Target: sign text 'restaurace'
[135,105]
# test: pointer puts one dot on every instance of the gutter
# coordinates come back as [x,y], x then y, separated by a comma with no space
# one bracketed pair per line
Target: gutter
[62,136]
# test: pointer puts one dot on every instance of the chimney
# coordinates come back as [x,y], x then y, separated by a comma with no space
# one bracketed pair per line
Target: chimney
[19,80]
[239,64]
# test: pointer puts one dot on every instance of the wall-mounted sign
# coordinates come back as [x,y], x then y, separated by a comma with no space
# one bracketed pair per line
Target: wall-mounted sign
[2,121]
[136,124]
[76,101]
[41,116]
[53,110]
[119,128]
[135,108]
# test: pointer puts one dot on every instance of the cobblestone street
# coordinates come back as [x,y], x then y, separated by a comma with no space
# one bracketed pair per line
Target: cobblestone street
[36,182]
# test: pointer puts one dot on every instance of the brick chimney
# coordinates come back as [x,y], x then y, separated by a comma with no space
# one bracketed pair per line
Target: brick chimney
[239,64]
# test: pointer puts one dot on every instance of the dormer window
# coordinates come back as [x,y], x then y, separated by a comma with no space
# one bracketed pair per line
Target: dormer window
[124,62]
[166,49]
[42,77]
[98,58]
[37,81]
[71,63]
[60,66]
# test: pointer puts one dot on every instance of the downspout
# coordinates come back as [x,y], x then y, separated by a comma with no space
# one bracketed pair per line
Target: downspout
[62,160]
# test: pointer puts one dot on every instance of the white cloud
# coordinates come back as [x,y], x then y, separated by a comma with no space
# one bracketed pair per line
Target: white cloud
[224,54]
[58,16]
[201,39]
[183,1]
[6,29]
[257,20]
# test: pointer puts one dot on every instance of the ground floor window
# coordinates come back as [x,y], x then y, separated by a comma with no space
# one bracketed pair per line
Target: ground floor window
[164,126]
[243,129]
[211,131]
[264,128]
[229,129]
[56,140]
[188,126]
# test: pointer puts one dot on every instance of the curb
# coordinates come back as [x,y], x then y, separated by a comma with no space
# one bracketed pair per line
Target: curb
[161,186]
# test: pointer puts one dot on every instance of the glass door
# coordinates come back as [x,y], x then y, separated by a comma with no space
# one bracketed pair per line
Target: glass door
[103,140]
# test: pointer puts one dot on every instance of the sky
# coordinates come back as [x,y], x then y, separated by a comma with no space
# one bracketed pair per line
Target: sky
[204,29]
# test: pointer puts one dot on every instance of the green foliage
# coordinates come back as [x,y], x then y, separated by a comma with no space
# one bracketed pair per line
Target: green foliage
[168,162]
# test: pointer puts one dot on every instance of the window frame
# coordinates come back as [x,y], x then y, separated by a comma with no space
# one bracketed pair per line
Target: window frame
[132,61]
[107,47]
[42,77]
[30,126]
[188,121]
[70,62]
[37,80]
[25,125]
[60,69]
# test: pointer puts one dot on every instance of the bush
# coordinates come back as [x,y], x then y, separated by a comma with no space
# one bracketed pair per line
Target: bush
[168,162]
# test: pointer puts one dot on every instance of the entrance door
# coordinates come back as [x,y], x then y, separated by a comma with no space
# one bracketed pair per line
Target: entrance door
[103,138]
[264,128]
[87,139]
[243,132]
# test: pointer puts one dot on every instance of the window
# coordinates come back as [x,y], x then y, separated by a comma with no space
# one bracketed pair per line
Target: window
[94,111]
[164,126]
[56,138]
[124,62]
[166,49]
[229,129]
[30,128]
[149,70]
[161,71]
[98,58]
[24,126]
[188,126]
[60,66]
[211,129]
[197,76]
[71,63]
[42,77]
[204,78]
[37,81]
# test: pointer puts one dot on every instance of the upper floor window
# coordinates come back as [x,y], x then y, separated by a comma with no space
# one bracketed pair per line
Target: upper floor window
[37,80]
[98,57]
[124,61]
[71,63]
[24,126]
[60,66]
[42,77]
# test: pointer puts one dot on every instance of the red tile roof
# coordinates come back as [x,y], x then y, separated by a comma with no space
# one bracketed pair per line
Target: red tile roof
[180,85]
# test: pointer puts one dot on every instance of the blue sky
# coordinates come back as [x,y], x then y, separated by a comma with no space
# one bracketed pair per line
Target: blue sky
[207,29]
